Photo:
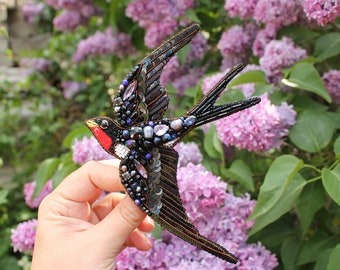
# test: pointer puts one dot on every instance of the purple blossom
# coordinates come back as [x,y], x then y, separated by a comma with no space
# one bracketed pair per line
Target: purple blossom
[29,191]
[159,19]
[259,128]
[23,236]
[157,32]
[243,9]
[219,215]
[32,11]
[248,88]
[331,80]
[188,153]
[235,44]
[71,88]
[210,81]
[75,13]
[263,37]
[277,12]
[322,11]
[88,149]
[103,43]
[68,4]
[36,64]
[68,20]
[181,77]
[280,54]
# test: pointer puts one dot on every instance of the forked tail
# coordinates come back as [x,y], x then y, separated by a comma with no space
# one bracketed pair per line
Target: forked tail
[205,111]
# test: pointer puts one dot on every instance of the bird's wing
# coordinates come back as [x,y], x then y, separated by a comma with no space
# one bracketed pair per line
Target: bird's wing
[172,215]
[140,95]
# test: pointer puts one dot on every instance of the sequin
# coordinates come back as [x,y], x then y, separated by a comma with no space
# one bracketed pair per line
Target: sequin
[138,202]
[166,137]
[176,124]
[125,82]
[148,132]
[141,169]
[126,134]
[190,121]
[160,130]
[121,150]
[136,133]
[157,141]
[129,90]
[130,143]
[148,156]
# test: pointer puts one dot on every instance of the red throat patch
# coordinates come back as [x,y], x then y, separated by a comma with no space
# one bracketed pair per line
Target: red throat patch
[104,140]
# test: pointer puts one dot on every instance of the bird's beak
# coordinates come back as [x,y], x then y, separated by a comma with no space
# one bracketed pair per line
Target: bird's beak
[91,123]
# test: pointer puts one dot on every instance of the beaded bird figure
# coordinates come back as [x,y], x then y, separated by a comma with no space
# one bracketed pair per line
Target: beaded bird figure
[143,140]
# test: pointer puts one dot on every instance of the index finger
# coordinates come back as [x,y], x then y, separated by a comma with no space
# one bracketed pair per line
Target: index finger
[91,179]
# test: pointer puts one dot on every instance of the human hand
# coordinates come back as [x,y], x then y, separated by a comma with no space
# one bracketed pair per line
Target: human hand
[75,233]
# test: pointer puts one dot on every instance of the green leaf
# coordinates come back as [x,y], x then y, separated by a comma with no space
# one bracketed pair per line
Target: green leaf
[62,172]
[241,172]
[77,133]
[3,196]
[327,46]
[315,246]
[313,131]
[311,200]
[298,33]
[252,76]
[285,203]
[334,259]
[290,250]
[212,144]
[337,148]
[44,173]
[9,263]
[276,181]
[303,103]
[322,262]
[304,76]
[230,96]
[331,182]
[3,32]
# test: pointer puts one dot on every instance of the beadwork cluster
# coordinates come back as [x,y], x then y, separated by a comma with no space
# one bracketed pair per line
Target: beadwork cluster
[137,146]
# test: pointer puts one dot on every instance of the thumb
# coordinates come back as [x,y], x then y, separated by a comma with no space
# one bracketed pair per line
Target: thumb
[117,226]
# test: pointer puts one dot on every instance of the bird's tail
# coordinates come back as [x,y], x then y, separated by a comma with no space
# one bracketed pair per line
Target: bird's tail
[206,111]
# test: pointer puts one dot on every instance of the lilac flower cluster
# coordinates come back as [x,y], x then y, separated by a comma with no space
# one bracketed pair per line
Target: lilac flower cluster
[331,80]
[280,54]
[23,236]
[188,153]
[36,64]
[322,11]
[278,12]
[236,43]
[259,128]
[75,13]
[185,76]
[103,43]
[263,37]
[29,190]
[218,215]
[32,11]
[88,149]
[159,19]
[71,88]
[248,88]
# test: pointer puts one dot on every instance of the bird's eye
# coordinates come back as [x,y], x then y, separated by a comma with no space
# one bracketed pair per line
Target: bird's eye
[104,124]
